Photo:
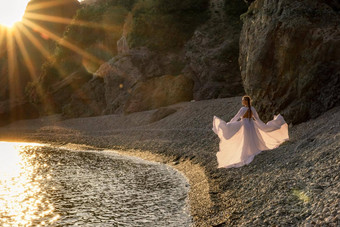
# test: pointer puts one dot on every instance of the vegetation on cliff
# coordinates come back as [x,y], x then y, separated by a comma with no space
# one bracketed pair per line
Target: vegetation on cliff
[93,35]
[35,42]
[164,25]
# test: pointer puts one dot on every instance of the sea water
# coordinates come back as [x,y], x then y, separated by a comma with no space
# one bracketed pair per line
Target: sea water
[45,185]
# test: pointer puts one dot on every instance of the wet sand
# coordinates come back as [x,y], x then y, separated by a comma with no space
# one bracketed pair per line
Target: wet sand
[295,184]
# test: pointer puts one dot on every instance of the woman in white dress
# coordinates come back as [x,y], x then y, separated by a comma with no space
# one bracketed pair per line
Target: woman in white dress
[241,140]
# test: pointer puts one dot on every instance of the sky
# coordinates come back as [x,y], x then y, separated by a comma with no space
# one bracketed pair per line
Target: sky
[12,11]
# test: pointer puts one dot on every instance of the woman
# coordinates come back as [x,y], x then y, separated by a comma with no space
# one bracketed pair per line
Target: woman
[241,140]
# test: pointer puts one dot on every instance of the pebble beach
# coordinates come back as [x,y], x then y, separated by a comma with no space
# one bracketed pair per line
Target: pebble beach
[296,184]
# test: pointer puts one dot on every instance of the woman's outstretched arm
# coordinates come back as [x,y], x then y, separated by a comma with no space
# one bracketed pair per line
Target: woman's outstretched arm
[239,114]
[255,114]
[272,125]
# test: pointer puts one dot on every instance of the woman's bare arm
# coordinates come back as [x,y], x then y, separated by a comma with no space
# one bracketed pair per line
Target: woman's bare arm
[239,114]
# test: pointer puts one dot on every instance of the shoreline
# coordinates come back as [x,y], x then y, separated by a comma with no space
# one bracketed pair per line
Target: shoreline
[194,174]
[198,196]
[265,192]
[197,199]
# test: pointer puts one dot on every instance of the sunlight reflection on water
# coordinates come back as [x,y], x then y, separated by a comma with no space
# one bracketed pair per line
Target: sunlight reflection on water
[22,202]
[44,185]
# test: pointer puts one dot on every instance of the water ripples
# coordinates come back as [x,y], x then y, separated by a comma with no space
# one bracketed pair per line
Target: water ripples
[42,185]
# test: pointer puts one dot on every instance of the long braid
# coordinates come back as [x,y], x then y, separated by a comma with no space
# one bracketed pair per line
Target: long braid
[250,113]
[247,98]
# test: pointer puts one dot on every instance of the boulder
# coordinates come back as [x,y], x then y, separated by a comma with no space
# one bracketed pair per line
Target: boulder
[87,101]
[119,75]
[159,92]
[162,113]
[62,91]
[124,71]
[290,57]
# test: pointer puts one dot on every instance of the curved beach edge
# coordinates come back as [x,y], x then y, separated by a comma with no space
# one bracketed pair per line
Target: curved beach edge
[294,184]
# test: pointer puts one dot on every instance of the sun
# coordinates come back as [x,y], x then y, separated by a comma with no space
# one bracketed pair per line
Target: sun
[12,11]
[18,39]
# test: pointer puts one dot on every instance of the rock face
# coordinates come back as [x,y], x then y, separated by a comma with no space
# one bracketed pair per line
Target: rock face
[87,101]
[249,1]
[158,92]
[61,92]
[122,46]
[212,52]
[139,79]
[126,74]
[290,57]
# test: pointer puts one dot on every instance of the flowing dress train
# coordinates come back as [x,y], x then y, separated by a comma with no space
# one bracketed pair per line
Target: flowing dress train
[241,140]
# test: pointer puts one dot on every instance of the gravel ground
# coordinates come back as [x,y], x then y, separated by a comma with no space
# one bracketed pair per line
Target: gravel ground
[295,184]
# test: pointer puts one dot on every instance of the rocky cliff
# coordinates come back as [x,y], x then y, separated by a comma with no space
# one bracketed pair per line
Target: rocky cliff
[285,54]
[155,75]
[212,52]
[143,80]
[290,57]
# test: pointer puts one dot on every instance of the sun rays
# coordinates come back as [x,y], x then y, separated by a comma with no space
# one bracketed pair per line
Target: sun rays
[23,50]
[29,34]
[61,20]
[43,5]
[60,40]
[13,80]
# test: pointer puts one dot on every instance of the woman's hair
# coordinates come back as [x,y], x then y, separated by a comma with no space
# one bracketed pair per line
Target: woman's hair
[247,99]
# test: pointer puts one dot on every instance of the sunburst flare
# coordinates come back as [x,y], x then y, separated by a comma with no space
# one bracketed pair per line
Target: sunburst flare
[32,34]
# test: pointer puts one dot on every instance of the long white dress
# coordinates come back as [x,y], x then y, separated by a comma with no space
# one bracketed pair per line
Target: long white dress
[241,140]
